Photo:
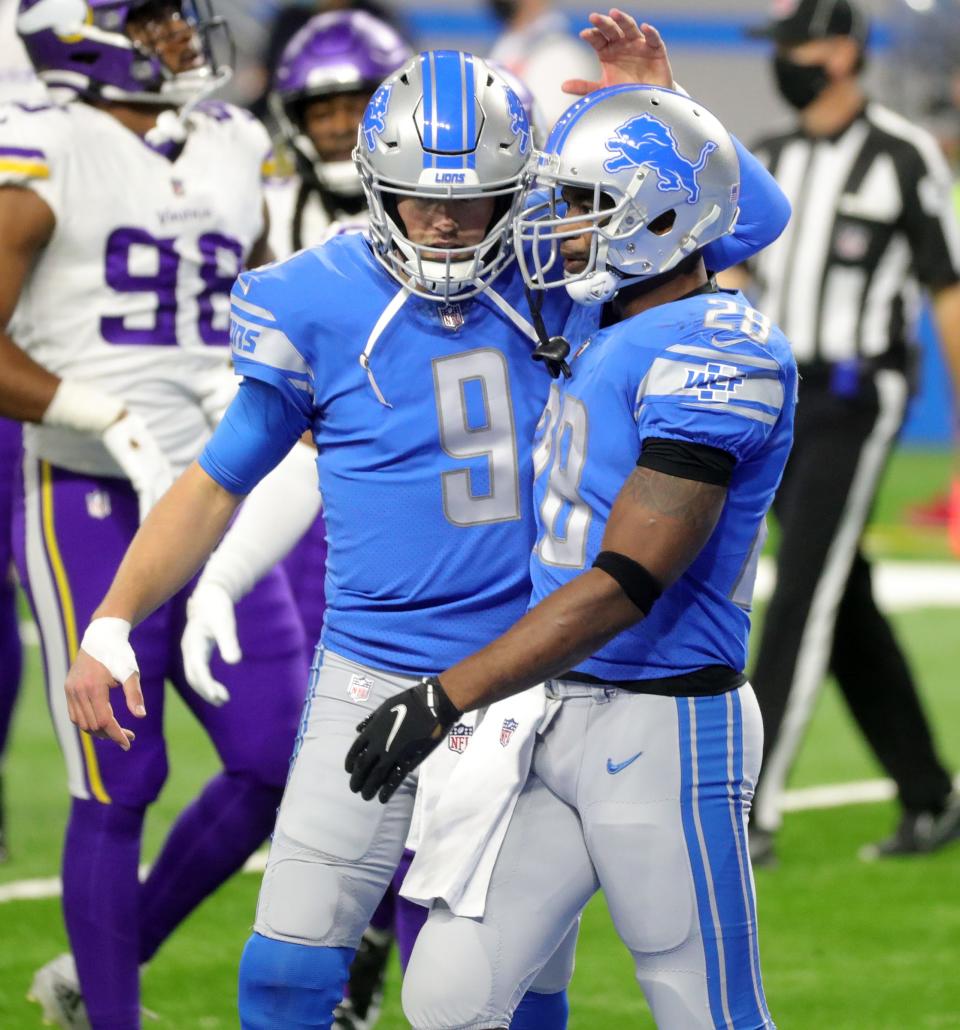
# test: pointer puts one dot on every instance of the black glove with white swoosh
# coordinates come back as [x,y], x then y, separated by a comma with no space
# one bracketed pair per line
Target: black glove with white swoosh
[397,737]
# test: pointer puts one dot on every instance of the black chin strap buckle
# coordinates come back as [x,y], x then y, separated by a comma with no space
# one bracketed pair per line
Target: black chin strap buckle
[553,353]
[551,350]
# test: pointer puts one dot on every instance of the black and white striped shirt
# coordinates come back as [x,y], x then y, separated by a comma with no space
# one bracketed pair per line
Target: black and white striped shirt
[872,221]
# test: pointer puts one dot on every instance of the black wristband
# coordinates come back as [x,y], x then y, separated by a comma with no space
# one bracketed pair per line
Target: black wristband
[640,585]
[438,702]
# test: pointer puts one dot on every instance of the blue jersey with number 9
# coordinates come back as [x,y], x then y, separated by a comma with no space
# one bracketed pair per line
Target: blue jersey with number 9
[423,416]
[709,370]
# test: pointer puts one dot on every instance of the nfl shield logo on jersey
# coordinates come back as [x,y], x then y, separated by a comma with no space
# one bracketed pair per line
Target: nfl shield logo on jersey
[98,504]
[451,316]
[359,688]
[506,731]
[459,737]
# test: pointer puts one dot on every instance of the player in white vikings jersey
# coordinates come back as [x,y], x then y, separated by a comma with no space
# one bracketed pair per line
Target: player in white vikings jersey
[124,224]
[408,357]
[659,459]
[322,85]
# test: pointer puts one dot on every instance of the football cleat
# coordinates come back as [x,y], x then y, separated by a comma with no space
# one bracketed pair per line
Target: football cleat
[56,989]
[918,833]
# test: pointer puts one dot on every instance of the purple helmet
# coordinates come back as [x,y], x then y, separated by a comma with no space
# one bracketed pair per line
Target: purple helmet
[337,52]
[83,46]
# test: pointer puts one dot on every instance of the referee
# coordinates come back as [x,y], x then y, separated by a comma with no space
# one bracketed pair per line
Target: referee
[872,223]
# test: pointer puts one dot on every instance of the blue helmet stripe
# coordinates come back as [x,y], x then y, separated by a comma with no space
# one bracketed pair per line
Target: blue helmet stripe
[449,109]
[448,128]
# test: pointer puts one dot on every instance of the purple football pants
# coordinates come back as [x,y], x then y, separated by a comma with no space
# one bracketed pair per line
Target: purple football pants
[70,532]
[11,659]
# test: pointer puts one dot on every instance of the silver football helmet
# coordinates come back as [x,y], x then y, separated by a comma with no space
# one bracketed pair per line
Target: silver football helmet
[445,125]
[665,181]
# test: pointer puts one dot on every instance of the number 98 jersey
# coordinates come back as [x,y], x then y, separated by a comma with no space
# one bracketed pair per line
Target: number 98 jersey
[131,293]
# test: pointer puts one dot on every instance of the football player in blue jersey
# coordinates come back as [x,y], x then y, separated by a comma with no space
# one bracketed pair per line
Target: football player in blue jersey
[407,356]
[659,458]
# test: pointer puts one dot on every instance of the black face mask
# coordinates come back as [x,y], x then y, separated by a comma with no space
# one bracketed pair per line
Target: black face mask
[504,9]
[800,84]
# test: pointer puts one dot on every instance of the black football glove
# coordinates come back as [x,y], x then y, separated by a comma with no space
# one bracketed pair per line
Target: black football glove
[397,737]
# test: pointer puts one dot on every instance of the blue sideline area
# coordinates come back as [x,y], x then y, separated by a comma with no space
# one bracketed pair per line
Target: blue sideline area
[703,31]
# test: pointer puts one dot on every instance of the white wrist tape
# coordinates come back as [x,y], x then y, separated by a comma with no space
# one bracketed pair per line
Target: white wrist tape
[108,640]
[278,512]
[81,407]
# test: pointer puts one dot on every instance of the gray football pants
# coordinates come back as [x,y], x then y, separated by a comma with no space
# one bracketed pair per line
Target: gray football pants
[646,797]
[333,854]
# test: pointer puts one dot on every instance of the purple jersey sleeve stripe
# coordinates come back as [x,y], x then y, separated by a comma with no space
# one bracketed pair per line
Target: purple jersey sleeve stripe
[24,152]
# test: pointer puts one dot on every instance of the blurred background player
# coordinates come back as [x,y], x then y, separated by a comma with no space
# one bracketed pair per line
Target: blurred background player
[539,47]
[284,21]
[323,83]
[126,213]
[872,222]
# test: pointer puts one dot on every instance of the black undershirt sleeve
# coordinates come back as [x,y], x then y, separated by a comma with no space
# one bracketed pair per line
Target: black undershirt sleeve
[688,460]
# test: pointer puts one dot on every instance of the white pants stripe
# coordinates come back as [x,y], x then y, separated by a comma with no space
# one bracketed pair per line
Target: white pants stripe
[56,655]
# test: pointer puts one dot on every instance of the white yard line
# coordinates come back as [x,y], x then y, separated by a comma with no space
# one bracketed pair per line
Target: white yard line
[898,585]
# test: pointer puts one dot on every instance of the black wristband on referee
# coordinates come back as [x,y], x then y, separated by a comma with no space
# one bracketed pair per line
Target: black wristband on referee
[640,585]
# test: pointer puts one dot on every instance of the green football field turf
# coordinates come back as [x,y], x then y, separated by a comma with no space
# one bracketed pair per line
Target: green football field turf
[845,946]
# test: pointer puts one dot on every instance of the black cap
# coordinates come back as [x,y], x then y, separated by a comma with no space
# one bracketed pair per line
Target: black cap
[813,19]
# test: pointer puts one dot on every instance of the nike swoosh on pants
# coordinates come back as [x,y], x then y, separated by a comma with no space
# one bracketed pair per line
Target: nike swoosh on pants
[613,768]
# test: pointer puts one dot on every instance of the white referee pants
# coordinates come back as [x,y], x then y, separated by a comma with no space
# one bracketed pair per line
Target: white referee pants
[647,798]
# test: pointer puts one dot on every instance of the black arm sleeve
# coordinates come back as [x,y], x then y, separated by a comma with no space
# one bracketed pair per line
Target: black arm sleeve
[688,460]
